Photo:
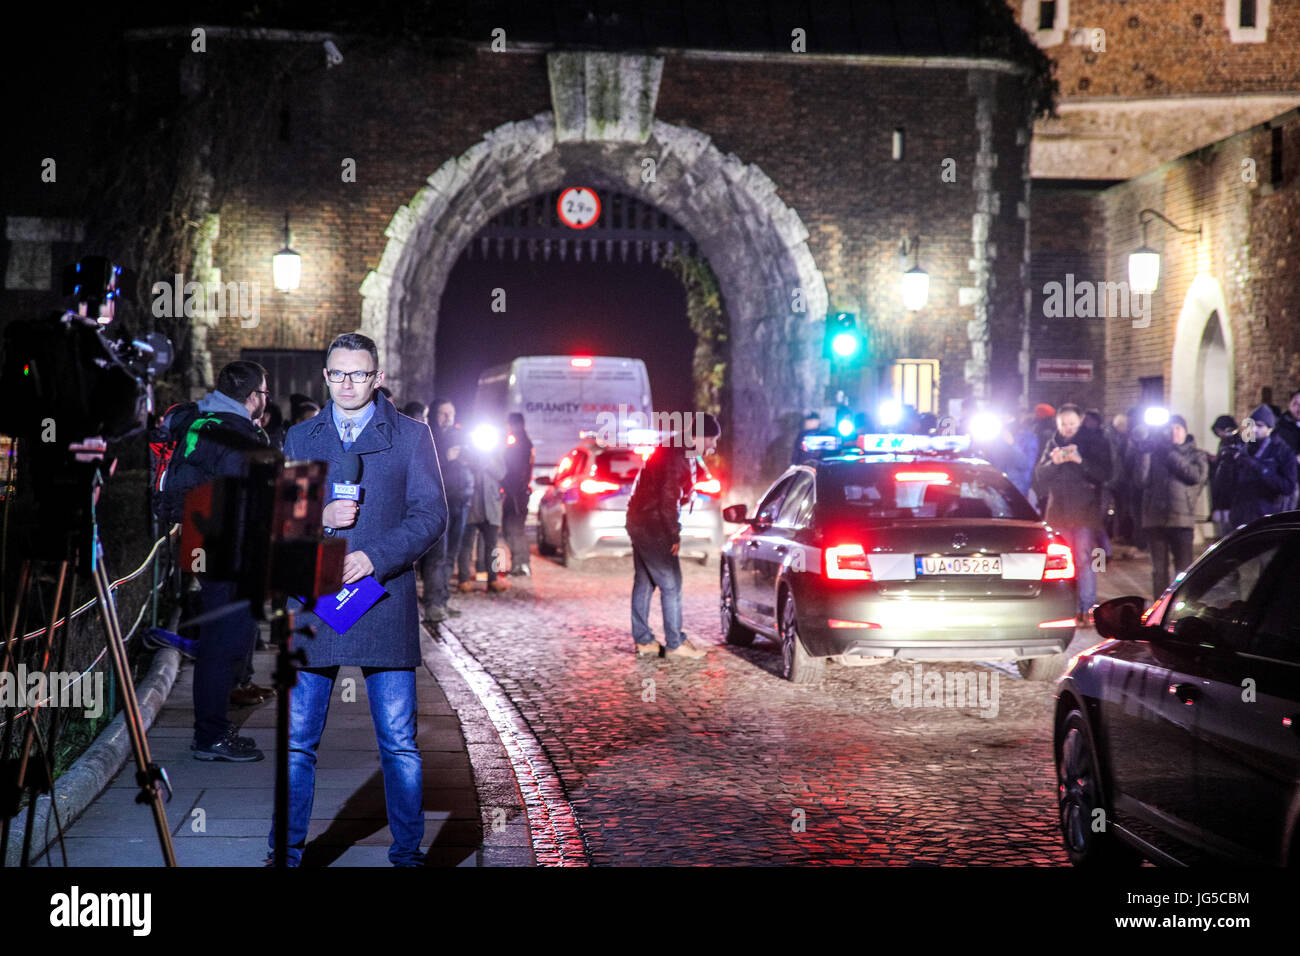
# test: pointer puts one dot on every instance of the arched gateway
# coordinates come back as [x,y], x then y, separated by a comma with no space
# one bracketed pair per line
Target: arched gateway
[775,296]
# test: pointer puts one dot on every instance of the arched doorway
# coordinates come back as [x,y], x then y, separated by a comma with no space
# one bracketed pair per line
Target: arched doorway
[775,296]
[1201,376]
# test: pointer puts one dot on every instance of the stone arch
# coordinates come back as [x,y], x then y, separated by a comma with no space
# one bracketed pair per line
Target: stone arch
[1201,377]
[775,296]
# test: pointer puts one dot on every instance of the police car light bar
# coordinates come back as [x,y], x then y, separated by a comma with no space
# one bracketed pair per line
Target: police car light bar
[913,443]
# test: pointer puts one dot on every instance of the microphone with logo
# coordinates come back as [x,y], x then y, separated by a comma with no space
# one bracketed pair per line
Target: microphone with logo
[349,471]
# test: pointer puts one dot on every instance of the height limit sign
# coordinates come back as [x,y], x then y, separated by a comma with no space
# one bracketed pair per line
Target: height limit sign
[578,207]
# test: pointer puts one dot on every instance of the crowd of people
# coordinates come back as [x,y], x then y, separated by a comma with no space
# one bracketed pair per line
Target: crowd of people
[1131,485]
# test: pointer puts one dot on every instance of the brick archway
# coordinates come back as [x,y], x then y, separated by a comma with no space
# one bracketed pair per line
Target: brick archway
[775,296]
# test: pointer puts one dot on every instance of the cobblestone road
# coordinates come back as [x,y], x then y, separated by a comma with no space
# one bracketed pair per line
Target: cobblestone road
[723,762]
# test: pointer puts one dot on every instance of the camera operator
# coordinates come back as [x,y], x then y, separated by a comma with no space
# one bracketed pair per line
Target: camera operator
[212,438]
[1170,472]
[1258,476]
[1225,429]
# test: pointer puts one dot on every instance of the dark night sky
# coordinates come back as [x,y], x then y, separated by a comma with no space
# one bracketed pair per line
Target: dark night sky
[562,308]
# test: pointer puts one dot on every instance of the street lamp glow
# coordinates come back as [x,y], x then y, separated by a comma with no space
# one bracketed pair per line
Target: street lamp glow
[286,265]
[916,288]
[1143,271]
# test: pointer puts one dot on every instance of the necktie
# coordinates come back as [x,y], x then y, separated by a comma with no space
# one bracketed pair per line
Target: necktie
[347,432]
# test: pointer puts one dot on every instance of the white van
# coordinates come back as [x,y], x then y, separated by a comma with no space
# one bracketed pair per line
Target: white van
[560,397]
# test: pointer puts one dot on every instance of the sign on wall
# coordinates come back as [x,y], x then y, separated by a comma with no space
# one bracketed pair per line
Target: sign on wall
[1063,370]
[578,207]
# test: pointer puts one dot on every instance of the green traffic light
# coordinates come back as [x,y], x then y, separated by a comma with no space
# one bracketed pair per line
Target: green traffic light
[845,344]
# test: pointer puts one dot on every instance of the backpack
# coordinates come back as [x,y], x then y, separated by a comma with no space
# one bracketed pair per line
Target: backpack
[161,448]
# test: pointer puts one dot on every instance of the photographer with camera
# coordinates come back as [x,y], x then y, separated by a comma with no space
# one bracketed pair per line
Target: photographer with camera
[1258,476]
[212,439]
[1225,429]
[1074,466]
[1170,472]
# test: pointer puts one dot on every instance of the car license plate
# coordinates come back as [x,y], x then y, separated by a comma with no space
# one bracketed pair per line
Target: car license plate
[959,564]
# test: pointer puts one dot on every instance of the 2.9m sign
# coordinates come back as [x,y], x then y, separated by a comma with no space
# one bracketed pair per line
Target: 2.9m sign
[578,207]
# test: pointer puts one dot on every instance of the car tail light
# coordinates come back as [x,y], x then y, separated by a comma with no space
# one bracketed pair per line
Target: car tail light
[835,622]
[847,562]
[709,486]
[933,477]
[1059,622]
[594,486]
[581,362]
[1060,562]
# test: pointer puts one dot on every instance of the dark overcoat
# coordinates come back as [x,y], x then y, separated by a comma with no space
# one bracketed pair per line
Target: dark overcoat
[402,514]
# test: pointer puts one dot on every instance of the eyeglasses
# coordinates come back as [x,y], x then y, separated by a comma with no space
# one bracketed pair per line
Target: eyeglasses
[263,391]
[358,378]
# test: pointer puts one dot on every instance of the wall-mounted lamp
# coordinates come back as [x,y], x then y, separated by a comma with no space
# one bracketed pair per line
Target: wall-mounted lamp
[1144,264]
[916,281]
[286,265]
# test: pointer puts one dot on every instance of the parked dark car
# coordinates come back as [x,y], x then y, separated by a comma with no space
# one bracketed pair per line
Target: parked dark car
[1177,739]
[911,556]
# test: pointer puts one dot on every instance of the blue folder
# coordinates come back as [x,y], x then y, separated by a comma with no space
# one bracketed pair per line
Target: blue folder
[345,607]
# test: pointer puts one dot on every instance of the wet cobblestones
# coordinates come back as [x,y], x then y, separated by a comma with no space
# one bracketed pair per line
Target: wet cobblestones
[723,762]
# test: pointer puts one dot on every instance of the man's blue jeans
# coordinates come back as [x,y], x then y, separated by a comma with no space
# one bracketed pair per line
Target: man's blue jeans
[1082,542]
[656,567]
[392,708]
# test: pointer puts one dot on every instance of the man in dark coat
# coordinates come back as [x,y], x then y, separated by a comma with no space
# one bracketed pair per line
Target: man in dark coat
[663,485]
[1288,430]
[1069,477]
[400,515]
[1258,477]
[213,438]
[514,509]
[1171,471]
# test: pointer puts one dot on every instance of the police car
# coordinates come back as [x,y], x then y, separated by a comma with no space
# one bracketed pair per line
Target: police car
[898,548]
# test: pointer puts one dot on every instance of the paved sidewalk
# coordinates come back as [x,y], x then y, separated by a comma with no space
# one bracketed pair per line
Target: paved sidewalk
[220,813]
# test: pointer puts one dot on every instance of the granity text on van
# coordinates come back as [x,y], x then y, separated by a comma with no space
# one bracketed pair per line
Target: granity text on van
[1095,300]
[71,689]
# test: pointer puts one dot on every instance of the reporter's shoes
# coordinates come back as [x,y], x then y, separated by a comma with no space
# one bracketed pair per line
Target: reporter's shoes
[686,651]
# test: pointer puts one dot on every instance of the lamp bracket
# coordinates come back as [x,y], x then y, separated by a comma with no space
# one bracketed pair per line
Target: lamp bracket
[1146,215]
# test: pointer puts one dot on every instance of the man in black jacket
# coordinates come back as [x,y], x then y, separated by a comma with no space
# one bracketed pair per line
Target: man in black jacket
[1258,476]
[1074,466]
[213,438]
[664,484]
[1171,471]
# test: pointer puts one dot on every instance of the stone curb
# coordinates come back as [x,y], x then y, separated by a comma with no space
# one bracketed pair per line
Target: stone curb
[92,772]
[477,726]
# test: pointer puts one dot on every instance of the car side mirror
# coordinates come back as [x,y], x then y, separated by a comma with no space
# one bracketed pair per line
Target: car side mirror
[1120,618]
[735,514]
[543,480]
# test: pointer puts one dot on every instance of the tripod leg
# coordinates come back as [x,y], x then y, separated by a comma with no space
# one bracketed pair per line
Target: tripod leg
[149,776]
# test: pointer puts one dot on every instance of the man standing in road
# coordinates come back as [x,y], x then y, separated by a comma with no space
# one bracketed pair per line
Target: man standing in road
[213,437]
[664,484]
[514,513]
[1069,477]
[400,514]
[1171,471]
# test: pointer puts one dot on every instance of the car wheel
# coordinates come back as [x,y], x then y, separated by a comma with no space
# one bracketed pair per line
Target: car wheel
[570,561]
[1041,668]
[736,633]
[544,547]
[1089,837]
[797,665]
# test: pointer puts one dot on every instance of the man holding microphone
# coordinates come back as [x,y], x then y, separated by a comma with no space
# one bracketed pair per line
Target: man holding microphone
[395,514]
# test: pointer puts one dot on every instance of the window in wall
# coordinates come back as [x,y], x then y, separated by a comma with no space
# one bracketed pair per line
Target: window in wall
[1246,20]
[1047,14]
